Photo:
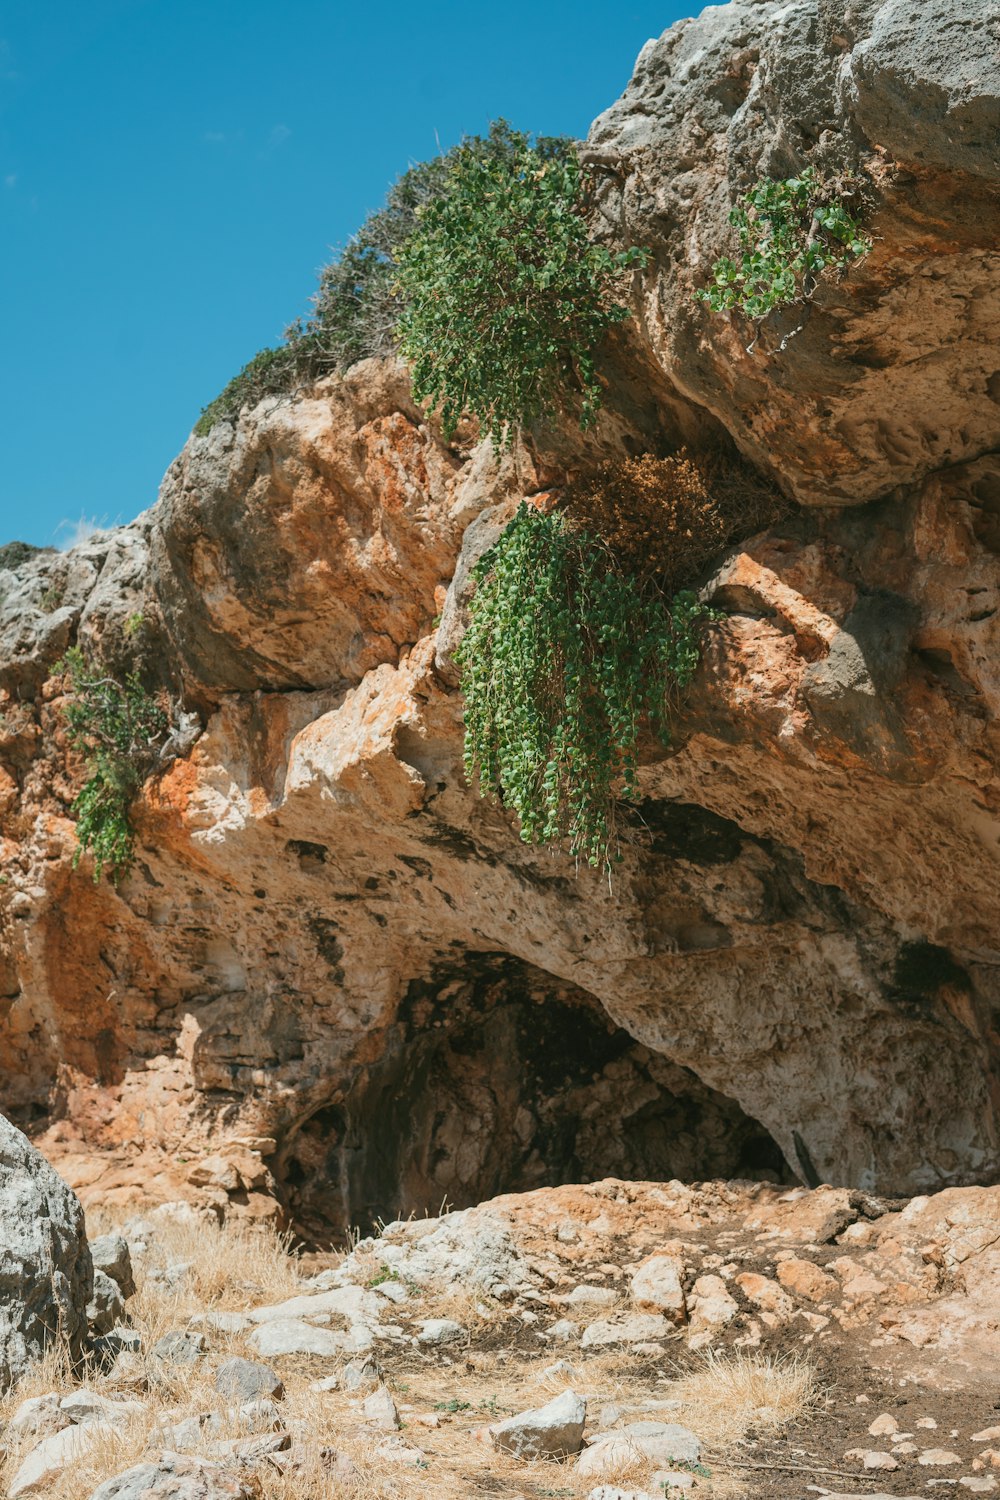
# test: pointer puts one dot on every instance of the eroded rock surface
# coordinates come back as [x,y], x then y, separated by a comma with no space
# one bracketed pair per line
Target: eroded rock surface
[335,979]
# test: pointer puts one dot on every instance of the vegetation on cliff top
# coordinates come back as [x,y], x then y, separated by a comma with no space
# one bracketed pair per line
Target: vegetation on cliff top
[480,270]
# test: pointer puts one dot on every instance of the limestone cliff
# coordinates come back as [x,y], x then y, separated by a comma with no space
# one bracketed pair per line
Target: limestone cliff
[337,968]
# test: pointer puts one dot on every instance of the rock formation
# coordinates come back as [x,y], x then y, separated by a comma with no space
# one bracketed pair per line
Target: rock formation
[334,969]
[46,1274]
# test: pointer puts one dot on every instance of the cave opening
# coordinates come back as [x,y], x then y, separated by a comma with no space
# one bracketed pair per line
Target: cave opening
[498,1078]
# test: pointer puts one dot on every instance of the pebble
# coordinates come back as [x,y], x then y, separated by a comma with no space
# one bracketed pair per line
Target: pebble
[380,1409]
[938,1457]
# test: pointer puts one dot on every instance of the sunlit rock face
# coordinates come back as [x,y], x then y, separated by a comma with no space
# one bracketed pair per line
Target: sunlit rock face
[335,962]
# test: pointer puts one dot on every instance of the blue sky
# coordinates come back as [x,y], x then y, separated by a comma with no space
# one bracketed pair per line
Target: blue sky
[173,173]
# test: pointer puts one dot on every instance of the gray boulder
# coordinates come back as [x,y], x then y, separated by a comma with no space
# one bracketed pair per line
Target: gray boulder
[106,1307]
[110,1254]
[246,1380]
[46,1275]
[551,1431]
[174,1477]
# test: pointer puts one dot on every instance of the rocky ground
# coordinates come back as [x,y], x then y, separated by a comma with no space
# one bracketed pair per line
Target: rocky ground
[611,1340]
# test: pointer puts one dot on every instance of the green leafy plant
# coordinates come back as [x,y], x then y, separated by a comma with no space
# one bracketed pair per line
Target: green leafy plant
[358,304]
[565,660]
[453,1405]
[505,298]
[790,233]
[119,727]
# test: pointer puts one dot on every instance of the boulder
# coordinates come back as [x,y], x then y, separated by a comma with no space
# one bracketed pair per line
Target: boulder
[245,1380]
[551,1431]
[106,1307]
[175,1477]
[110,1254]
[46,1273]
[52,1455]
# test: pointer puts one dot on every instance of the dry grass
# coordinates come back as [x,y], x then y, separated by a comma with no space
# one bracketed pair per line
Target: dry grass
[733,1392]
[668,517]
[461,1387]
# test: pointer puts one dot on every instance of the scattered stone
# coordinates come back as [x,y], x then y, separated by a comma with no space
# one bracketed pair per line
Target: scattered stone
[904,1450]
[110,1254]
[938,1458]
[884,1425]
[181,1346]
[651,1442]
[190,1433]
[631,1330]
[106,1307]
[47,1272]
[380,1409]
[656,1287]
[551,1431]
[39,1416]
[85,1405]
[328,1383]
[671,1481]
[767,1295]
[223,1322]
[564,1331]
[804,1279]
[52,1455]
[362,1375]
[435,1331]
[612,1492]
[397,1450]
[979,1484]
[562,1371]
[987,1435]
[261,1415]
[926,1422]
[245,1380]
[876,1460]
[710,1307]
[292,1336]
[250,1451]
[356,1304]
[175,1477]
[590,1296]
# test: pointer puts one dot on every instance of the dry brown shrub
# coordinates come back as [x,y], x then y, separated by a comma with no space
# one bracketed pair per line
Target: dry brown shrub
[666,518]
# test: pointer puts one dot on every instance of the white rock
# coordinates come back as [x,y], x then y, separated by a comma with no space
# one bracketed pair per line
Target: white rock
[52,1455]
[551,1431]
[85,1405]
[612,1492]
[441,1331]
[355,1303]
[979,1484]
[630,1330]
[564,1331]
[656,1287]
[884,1425]
[938,1458]
[590,1296]
[292,1336]
[39,1416]
[655,1442]
[380,1409]
[711,1307]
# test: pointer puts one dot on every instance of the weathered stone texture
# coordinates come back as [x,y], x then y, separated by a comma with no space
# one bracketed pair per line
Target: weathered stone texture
[336,969]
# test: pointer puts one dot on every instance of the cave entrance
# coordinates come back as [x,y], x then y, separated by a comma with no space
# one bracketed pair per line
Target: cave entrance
[498,1078]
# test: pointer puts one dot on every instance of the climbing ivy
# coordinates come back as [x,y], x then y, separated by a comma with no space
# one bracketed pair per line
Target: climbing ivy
[119,728]
[566,658]
[504,296]
[790,232]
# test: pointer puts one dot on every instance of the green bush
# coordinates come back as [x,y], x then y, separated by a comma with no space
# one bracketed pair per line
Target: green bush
[565,660]
[119,727]
[790,233]
[505,298]
[357,306]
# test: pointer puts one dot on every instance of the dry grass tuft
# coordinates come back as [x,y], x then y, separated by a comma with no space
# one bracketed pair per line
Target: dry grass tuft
[666,518]
[733,1393]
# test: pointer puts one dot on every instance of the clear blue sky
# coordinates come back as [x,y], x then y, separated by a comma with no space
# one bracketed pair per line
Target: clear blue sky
[173,173]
